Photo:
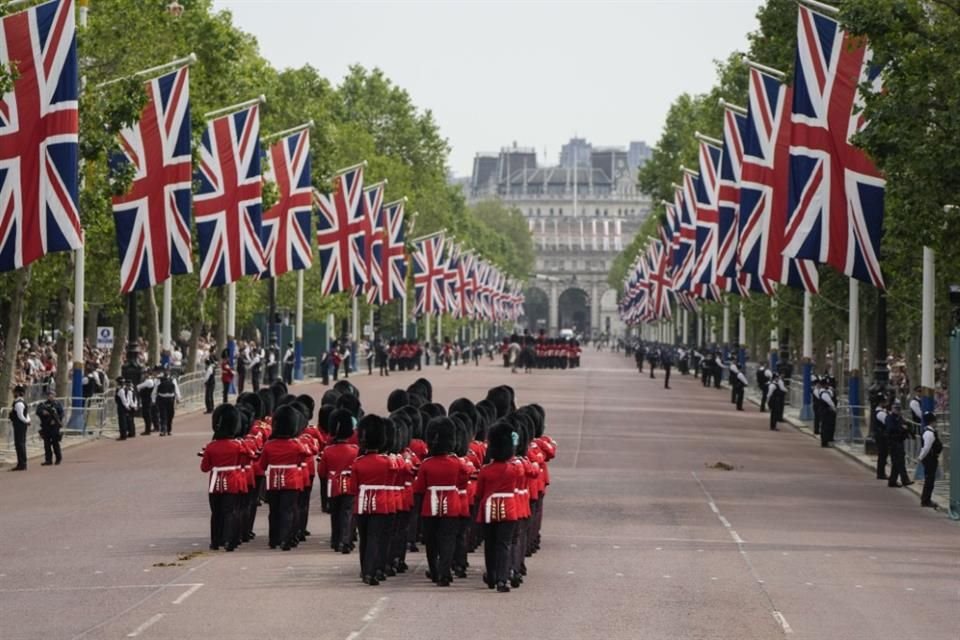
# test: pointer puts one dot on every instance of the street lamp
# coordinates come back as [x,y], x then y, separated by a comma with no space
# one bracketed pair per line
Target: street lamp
[954,393]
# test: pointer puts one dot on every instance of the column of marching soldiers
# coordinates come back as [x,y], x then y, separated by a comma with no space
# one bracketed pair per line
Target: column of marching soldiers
[887,425]
[451,478]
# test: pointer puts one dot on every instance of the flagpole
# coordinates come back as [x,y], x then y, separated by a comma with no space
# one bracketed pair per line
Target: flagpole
[354,332]
[403,313]
[742,338]
[287,132]
[298,332]
[927,333]
[261,99]
[774,340]
[186,61]
[853,355]
[166,322]
[806,408]
[78,295]
[232,322]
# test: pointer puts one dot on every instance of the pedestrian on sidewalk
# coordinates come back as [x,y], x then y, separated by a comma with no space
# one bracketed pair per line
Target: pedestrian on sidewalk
[667,359]
[879,428]
[50,413]
[20,420]
[929,457]
[209,380]
[896,436]
[828,413]
[777,395]
[739,383]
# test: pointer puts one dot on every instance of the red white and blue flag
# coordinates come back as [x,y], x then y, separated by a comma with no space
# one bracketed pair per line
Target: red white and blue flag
[429,275]
[373,233]
[39,126]
[708,213]
[836,193]
[393,262]
[153,218]
[763,187]
[464,268]
[286,225]
[685,253]
[340,233]
[227,205]
[728,197]
[453,286]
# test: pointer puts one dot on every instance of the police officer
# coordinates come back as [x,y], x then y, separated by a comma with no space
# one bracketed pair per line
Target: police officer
[145,390]
[50,413]
[119,398]
[639,355]
[879,428]
[817,406]
[777,395]
[896,436]
[828,414]
[243,363]
[739,383]
[653,355]
[667,361]
[929,457]
[210,380]
[288,358]
[168,394]
[763,381]
[20,420]
[273,366]
[256,366]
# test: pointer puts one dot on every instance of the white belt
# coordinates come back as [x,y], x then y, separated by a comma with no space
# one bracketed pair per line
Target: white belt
[488,507]
[278,466]
[215,475]
[330,481]
[435,505]
[364,488]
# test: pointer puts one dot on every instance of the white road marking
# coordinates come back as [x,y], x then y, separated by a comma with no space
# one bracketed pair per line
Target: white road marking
[873,557]
[713,506]
[186,594]
[48,573]
[146,625]
[146,570]
[782,621]
[666,575]
[859,586]
[97,572]
[699,550]
[369,617]
[569,573]
[910,589]
[809,584]
[616,546]
[112,587]
[109,546]
[659,548]
[152,546]
[573,546]
[736,537]
[196,544]
[713,578]
[619,575]
[725,522]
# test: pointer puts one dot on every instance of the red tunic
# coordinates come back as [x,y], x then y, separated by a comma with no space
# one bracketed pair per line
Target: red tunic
[419,447]
[371,478]
[549,449]
[282,462]
[439,481]
[410,463]
[223,459]
[497,484]
[334,468]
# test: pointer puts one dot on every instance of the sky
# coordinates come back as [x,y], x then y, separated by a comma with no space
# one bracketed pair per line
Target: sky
[495,72]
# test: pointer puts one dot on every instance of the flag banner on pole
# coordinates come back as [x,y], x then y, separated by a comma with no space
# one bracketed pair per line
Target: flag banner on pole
[373,233]
[153,217]
[836,193]
[728,200]
[686,250]
[39,126]
[764,186]
[659,282]
[286,225]
[708,214]
[393,263]
[429,275]
[452,280]
[466,285]
[340,233]
[227,205]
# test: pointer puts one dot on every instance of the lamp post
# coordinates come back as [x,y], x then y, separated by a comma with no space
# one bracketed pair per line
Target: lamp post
[954,389]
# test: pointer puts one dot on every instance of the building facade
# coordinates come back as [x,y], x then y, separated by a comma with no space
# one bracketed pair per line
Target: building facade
[581,214]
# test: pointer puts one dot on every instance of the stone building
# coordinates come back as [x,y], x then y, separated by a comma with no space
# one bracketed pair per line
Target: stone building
[581,214]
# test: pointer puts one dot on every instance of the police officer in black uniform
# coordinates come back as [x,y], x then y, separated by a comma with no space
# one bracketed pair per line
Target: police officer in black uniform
[50,413]
[210,380]
[897,435]
[168,393]
[20,420]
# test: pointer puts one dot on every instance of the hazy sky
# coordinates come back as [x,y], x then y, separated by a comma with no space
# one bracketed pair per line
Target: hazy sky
[534,72]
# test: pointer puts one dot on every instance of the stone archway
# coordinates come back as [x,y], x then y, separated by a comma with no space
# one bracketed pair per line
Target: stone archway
[536,309]
[574,310]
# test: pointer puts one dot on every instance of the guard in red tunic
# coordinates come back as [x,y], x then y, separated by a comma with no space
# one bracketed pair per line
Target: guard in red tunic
[281,462]
[222,460]
[371,485]
[497,484]
[336,461]
[438,479]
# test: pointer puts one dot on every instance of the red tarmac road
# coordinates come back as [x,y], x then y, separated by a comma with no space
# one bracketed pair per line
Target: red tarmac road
[642,539]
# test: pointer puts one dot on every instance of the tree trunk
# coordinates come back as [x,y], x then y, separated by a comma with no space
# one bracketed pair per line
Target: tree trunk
[153,328]
[64,364]
[195,331]
[91,322]
[120,335]
[12,344]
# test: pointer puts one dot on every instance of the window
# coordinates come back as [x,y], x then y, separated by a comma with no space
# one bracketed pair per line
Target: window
[538,212]
[596,212]
[605,213]
[560,211]
[551,211]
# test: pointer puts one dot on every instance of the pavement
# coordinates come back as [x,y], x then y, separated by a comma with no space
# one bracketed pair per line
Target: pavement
[646,536]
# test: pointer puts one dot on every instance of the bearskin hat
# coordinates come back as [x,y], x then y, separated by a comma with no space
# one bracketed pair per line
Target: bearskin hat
[266,402]
[392,436]
[415,418]
[463,434]
[246,419]
[286,422]
[403,431]
[226,422]
[330,396]
[340,424]
[441,436]
[308,402]
[372,430]
[500,442]
[345,387]
[323,420]
[251,400]
[462,405]
[425,384]
[435,410]
[416,399]
[502,400]
[351,403]
[278,389]
[397,398]
[487,411]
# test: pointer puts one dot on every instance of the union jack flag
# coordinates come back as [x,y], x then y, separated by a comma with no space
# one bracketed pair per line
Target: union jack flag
[429,275]
[835,208]
[38,135]
[708,214]
[153,218]
[728,197]
[452,280]
[373,232]
[228,203]
[763,188]
[467,291]
[393,262]
[286,225]
[658,258]
[685,251]
[340,233]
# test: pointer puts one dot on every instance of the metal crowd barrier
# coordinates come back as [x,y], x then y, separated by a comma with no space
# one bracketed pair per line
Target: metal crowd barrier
[310,367]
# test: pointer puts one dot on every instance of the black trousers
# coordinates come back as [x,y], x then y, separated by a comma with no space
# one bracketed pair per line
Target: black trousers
[131,424]
[930,464]
[763,397]
[898,464]
[51,445]
[208,394]
[255,379]
[776,411]
[828,425]
[146,411]
[440,538]
[283,516]
[224,515]
[738,396]
[883,451]
[241,378]
[817,420]
[288,373]
[303,510]
[165,405]
[373,533]
[666,379]
[497,537]
[226,392]
[20,444]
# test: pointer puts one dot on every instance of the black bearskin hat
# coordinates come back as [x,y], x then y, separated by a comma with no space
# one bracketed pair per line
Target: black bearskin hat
[345,387]
[351,404]
[487,411]
[416,399]
[441,436]
[462,433]
[372,430]
[391,432]
[308,403]
[330,396]
[266,402]
[397,398]
[403,431]
[462,405]
[226,422]
[425,384]
[246,419]
[415,418]
[435,410]
[286,422]
[501,399]
[541,418]
[323,419]
[251,400]
[278,389]
[500,442]
[340,424]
